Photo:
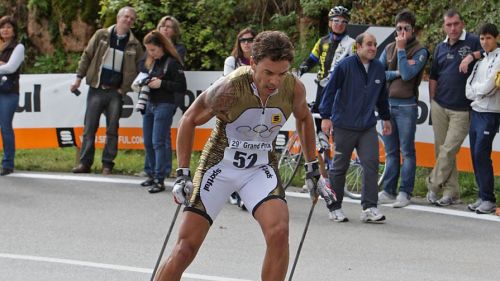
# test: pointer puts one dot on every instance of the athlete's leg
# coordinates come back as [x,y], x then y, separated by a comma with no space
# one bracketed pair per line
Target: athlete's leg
[272,216]
[192,232]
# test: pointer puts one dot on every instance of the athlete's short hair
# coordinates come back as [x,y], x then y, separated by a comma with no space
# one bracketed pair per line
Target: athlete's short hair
[274,45]
[406,16]
[488,28]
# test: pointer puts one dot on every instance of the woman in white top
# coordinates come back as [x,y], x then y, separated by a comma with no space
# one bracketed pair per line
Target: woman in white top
[11,58]
[242,51]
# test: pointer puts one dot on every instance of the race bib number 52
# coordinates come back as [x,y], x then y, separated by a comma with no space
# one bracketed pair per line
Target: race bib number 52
[244,159]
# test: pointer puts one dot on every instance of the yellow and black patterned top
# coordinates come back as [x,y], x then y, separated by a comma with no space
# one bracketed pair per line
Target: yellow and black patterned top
[251,125]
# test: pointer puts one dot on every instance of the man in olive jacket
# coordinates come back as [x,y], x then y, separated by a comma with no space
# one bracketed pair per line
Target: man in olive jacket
[110,64]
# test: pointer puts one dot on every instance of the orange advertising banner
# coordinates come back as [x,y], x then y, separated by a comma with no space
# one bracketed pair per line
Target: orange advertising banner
[50,116]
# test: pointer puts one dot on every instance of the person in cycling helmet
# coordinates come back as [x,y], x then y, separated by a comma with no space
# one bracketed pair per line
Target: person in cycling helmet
[328,51]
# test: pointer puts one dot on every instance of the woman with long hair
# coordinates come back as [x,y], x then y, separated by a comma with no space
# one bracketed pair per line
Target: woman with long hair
[166,77]
[11,58]
[241,52]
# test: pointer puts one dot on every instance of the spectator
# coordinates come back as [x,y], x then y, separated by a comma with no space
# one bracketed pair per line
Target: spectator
[328,51]
[347,110]
[166,77]
[170,28]
[240,55]
[11,58]
[485,117]
[404,61]
[241,51]
[110,64]
[449,107]
[239,159]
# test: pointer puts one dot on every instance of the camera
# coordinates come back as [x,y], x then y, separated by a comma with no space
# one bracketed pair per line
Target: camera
[143,95]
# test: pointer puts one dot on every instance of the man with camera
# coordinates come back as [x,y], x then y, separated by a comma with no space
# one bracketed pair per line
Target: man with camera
[109,63]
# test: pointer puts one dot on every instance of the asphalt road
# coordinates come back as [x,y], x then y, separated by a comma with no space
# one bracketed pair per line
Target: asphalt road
[61,227]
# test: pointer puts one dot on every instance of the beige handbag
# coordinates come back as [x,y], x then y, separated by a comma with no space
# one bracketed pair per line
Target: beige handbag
[497,80]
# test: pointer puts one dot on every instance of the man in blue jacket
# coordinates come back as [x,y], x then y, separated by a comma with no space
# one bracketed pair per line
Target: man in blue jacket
[356,89]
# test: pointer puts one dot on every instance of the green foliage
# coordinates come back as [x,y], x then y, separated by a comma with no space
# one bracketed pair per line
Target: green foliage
[58,62]
[209,27]
[315,8]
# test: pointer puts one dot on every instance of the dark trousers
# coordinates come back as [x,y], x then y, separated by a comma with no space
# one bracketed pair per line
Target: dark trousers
[366,145]
[99,101]
[483,128]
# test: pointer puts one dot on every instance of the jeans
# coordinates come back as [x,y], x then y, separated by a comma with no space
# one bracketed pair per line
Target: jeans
[8,106]
[345,142]
[401,142]
[109,102]
[156,124]
[483,128]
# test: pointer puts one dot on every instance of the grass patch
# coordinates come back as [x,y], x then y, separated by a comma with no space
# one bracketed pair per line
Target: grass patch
[131,162]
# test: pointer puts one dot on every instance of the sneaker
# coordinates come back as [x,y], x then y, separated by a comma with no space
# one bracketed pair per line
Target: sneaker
[474,205]
[242,206]
[148,182]
[233,198]
[158,186]
[372,215]
[446,201]
[338,216]
[402,200]
[431,197]
[385,198]
[486,207]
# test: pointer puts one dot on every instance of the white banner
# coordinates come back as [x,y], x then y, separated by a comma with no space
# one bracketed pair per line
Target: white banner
[46,102]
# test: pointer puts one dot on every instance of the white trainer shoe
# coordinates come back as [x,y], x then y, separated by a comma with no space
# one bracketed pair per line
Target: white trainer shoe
[338,216]
[372,215]
[402,200]
[385,198]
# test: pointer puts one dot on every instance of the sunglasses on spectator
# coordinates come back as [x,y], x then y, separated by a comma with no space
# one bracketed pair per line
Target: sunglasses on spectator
[246,40]
[406,28]
[339,21]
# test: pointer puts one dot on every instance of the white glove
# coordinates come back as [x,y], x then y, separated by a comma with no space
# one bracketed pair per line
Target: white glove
[312,177]
[326,192]
[183,186]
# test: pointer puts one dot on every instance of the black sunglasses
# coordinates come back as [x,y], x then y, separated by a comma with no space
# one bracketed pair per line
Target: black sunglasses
[245,40]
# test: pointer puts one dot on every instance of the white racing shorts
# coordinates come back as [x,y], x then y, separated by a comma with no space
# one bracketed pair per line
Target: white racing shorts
[255,185]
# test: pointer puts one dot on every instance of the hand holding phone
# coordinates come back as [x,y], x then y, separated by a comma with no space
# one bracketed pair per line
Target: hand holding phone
[76,92]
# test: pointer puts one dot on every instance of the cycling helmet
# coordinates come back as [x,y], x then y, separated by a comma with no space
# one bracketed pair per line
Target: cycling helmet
[339,11]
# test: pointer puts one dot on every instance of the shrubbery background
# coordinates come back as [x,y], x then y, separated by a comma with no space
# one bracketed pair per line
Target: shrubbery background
[210,26]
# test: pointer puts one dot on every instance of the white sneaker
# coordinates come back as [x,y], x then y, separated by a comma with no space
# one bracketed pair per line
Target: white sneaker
[385,198]
[486,207]
[337,215]
[372,215]
[474,205]
[431,197]
[233,200]
[402,200]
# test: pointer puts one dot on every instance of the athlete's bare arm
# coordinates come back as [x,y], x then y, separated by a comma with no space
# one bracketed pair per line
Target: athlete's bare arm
[304,121]
[214,101]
